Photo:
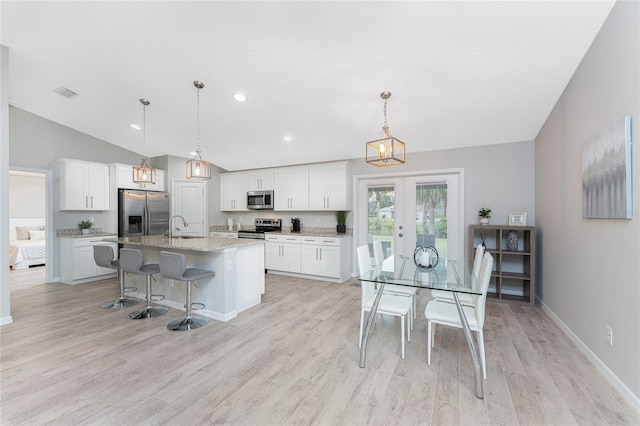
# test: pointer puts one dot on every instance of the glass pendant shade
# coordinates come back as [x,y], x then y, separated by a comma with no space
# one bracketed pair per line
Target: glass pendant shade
[144,174]
[198,169]
[387,151]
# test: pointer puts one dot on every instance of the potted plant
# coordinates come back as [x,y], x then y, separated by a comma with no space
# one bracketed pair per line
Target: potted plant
[341,218]
[484,215]
[85,226]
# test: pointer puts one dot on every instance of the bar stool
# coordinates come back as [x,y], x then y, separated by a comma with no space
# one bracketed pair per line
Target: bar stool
[131,261]
[104,256]
[174,266]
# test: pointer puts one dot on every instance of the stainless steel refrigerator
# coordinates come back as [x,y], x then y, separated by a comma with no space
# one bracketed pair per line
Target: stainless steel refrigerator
[142,213]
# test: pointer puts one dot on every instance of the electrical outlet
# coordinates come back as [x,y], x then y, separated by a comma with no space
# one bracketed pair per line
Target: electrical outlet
[609,336]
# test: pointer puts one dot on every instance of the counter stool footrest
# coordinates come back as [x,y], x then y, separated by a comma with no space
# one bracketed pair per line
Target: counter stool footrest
[158,297]
[197,306]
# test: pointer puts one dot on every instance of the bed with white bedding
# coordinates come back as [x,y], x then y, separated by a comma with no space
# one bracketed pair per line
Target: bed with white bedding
[27,245]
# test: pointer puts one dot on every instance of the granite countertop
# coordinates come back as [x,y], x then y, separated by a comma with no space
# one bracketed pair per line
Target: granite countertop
[193,244]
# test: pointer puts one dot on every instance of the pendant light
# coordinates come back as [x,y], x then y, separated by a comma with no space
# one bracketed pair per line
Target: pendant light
[197,168]
[387,151]
[143,173]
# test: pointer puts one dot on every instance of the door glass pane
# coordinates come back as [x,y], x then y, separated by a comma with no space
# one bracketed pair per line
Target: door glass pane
[431,217]
[381,219]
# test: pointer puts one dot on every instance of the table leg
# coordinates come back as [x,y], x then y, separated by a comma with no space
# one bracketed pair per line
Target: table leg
[473,348]
[372,316]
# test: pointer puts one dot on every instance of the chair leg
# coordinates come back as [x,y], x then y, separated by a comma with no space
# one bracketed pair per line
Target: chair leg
[433,334]
[414,306]
[482,355]
[190,322]
[122,301]
[361,323]
[402,334]
[409,323]
[149,311]
[429,343]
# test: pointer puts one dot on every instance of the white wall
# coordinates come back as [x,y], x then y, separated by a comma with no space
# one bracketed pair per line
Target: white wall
[26,195]
[590,268]
[5,295]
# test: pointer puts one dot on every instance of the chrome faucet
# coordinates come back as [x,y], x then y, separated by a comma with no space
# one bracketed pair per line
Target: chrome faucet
[184,222]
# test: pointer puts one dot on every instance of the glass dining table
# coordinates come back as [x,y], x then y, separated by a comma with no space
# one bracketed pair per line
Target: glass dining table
[448,275]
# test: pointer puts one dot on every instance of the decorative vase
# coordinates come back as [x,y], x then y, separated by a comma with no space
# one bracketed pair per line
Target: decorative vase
[512,241]
[341,229]
[484,221]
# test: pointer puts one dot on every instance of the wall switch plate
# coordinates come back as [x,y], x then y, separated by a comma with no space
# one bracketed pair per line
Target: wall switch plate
[609,335]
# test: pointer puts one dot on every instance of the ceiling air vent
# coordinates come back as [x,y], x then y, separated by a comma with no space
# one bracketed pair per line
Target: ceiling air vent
[65,92]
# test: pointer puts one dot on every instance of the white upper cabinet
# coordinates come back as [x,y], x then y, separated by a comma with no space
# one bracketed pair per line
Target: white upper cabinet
[83,185]
[330,186]
[291,188]
[260,180]
[233,191]
[122,177]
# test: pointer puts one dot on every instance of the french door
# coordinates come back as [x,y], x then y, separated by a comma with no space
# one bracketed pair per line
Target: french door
[407,211]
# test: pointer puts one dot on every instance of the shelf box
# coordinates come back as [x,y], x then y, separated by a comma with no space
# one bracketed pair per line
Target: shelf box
[513,277]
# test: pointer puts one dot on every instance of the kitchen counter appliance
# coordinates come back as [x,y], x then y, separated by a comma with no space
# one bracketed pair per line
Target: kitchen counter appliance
[297,226]
[262,226]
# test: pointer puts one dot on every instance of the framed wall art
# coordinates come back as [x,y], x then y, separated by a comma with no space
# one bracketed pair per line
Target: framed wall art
[606,174]
[518,219]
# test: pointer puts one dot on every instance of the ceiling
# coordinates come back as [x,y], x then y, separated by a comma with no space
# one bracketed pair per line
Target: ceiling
[461,73]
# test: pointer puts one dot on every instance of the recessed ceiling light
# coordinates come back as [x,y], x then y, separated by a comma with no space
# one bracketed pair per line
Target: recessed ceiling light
[287,138]
[135,126]
[240,97]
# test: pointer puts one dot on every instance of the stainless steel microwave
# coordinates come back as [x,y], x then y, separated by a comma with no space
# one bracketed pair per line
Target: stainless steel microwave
[260,200]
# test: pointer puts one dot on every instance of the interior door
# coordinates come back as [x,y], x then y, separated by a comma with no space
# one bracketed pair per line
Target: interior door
[189,200]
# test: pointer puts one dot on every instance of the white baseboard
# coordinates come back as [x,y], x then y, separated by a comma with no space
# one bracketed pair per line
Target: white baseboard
[6,320]
[624,391]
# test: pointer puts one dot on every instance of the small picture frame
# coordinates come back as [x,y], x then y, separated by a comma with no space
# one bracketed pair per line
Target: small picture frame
[518,219]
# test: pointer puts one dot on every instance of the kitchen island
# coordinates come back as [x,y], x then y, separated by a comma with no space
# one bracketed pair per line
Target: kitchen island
[238,264]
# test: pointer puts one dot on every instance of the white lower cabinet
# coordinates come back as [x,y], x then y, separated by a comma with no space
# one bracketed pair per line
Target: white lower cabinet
[282,253]
[76,260]
[321,257]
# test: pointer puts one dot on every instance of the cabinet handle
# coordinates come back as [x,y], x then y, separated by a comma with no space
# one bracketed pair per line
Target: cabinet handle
[316,253]
[86,201]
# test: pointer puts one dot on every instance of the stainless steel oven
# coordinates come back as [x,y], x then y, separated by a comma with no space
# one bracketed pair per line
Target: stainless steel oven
[261,227]
[260,200]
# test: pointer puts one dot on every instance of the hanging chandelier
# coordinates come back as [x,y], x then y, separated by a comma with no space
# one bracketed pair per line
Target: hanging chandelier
[387,151]
[143,173]
[197,168]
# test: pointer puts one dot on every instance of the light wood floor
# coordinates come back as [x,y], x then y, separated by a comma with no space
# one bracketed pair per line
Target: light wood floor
[291,360]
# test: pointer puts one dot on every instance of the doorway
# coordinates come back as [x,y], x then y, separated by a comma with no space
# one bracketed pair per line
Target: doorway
[409,210]
[29,202]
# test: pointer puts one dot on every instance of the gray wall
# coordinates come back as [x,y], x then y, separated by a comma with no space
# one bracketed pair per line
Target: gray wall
[590,268]
[499,177]
[35,142]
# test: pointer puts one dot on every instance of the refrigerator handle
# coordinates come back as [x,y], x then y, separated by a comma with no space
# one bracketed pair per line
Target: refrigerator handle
[146,220]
